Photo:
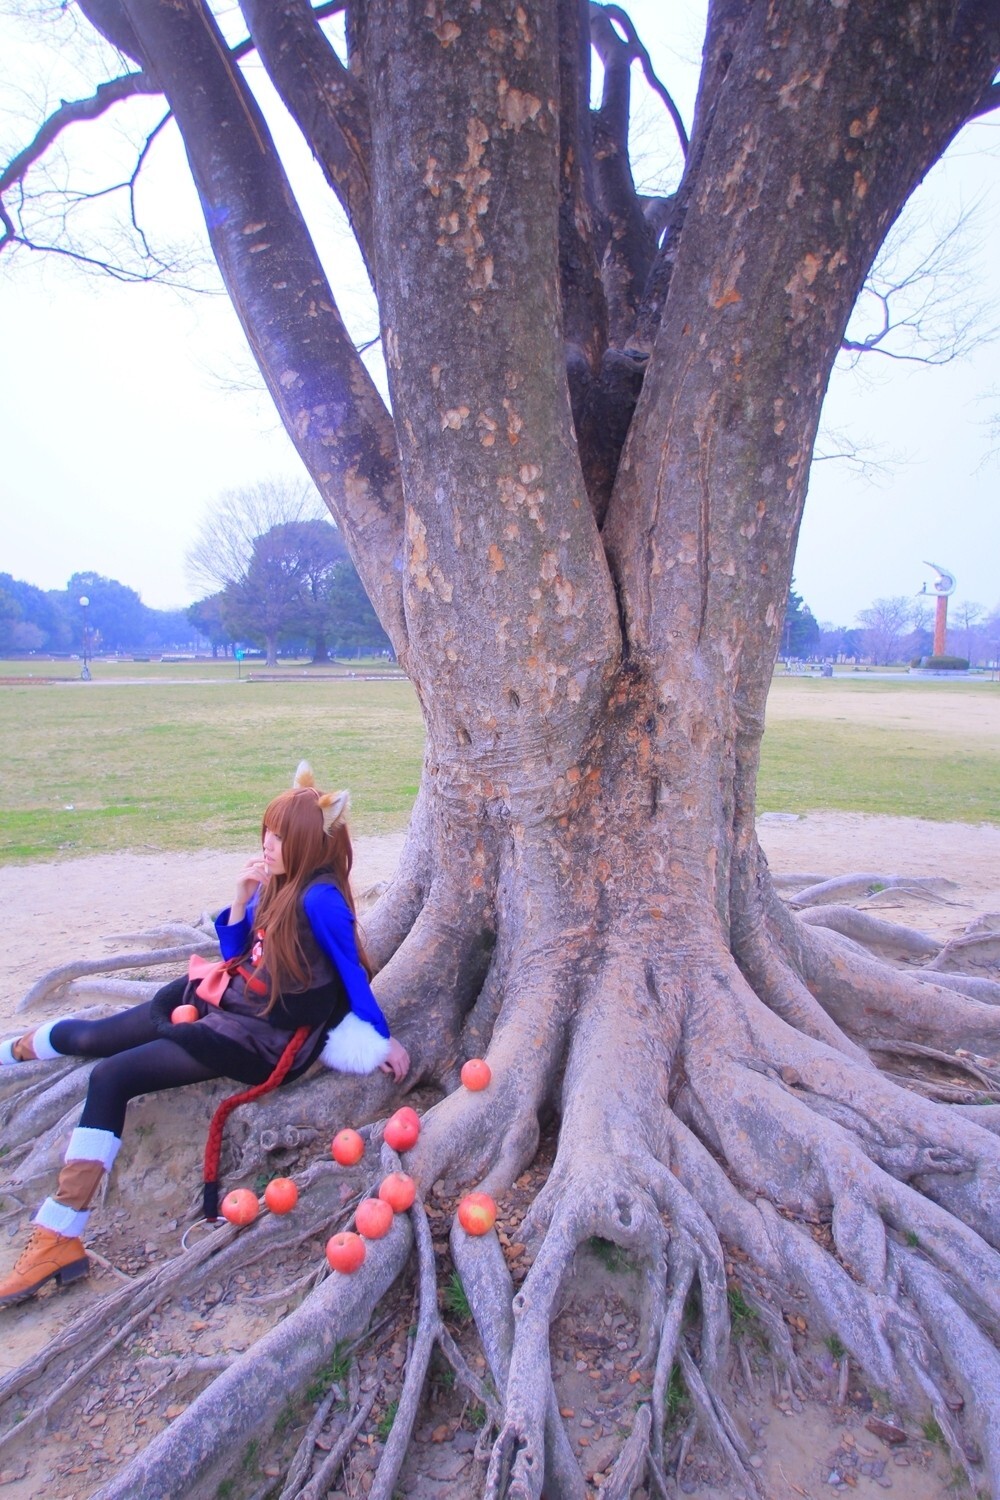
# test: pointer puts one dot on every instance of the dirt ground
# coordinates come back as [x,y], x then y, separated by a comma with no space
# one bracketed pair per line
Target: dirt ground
[805,1443]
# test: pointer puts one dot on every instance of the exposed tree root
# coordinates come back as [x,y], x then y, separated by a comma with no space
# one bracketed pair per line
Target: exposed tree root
[872,932]
[249,1396]
[299,1467]
[868,1000]
[930,887]
[20,1087]
[771,975]
[57,984]
[219,1253]
[430,1331]
[327,1471]
[888,1003]
[970,1358]
[872,1214]
[987,991]
[981,950]
[758,1127]
[57,1092]
[629,1467]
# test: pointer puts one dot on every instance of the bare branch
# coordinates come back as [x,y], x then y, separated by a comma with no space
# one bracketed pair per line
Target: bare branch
[325,396]
[642,56]
[916,306]
[135,177]
[866,459]
[726,19]
[69,113]
[221,554]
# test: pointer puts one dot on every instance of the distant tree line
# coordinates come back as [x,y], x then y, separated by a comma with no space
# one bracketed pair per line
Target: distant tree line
[891,632]
[801,635]
[53,620]
[283,577]
[900,630]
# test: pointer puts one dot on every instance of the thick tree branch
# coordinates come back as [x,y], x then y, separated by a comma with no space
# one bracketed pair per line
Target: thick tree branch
[631,243]
[326,399]
[580,235]
[110,19]
[642,56]
[483,374]
[326,102]
[726,19]
[602,406]
[989,101]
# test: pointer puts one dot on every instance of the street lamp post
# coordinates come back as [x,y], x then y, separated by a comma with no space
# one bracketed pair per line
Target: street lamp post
[84,606]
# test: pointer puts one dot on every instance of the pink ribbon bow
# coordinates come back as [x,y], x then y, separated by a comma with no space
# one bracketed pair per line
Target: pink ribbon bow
[213,977]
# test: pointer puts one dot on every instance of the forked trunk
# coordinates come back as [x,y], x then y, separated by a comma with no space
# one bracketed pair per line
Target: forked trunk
[578,526]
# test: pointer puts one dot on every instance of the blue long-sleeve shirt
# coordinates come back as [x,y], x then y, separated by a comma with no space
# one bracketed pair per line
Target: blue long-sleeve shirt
[332,923]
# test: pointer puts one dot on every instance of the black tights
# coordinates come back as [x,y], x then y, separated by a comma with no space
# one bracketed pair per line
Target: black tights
[137,1060]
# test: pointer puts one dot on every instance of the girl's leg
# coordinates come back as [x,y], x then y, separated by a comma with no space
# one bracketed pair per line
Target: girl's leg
[72,1037]
[94,1143]
[104,1038]
[146,1069]
[55,1248]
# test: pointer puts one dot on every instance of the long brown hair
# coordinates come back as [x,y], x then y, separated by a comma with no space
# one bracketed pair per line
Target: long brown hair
[307,851]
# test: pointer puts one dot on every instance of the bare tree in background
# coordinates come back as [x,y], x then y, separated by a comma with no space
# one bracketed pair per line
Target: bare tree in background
[965,619]
[223,550]
[886,622]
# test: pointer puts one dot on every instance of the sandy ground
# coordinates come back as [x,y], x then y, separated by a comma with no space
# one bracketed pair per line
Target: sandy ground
[57,913]
[73,909]
[81,909]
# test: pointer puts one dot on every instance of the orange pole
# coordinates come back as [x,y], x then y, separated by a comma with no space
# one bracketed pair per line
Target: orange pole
[941,625]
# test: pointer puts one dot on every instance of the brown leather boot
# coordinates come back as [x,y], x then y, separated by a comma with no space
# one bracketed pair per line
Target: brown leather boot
[46,1255]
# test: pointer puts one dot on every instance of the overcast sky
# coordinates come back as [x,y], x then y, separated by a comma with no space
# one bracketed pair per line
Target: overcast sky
[126,410]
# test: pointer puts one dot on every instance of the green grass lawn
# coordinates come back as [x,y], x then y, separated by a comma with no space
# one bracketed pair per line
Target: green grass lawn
[187,756]
[909,747]
[96,767]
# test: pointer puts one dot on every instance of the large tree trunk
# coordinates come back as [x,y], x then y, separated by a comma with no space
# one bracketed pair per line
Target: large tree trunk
[582,891]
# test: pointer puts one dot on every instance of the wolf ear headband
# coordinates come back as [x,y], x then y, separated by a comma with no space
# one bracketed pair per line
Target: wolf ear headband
[333,805]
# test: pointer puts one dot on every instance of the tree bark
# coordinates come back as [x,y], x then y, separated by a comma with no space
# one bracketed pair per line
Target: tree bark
[578,526]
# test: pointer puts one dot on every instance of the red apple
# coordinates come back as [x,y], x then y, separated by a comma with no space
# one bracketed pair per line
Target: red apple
[373,1218]
[402,1129]
[281,1195]
[181,1013]
[476,1074]
[240,1206]
[399,1191]
[347,1147]
[345,1251]
[477,1213]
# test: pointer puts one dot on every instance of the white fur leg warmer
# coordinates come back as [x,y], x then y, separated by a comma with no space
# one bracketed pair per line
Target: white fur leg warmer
[354,1046]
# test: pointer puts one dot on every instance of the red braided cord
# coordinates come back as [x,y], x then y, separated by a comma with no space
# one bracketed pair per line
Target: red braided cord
[213,1146]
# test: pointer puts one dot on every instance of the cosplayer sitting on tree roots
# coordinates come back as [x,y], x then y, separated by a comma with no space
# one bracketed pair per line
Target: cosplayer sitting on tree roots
[292,986]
